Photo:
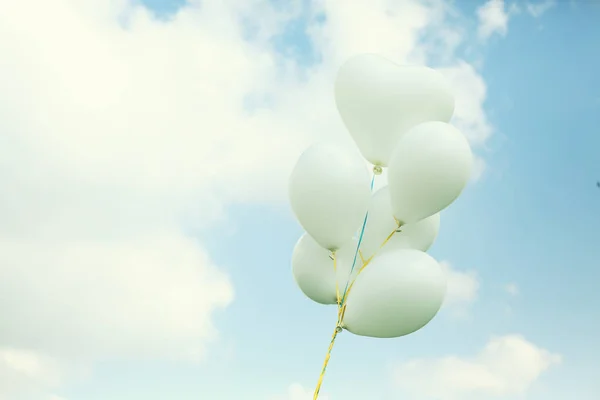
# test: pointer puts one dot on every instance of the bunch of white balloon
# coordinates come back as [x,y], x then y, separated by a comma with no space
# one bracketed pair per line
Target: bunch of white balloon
[398,116]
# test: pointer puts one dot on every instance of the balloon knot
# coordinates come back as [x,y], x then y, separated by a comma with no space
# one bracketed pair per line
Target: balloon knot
[377,169]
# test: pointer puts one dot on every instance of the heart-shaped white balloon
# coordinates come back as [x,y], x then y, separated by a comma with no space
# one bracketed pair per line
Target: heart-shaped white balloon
[397,294]
[379,101]
[313,269]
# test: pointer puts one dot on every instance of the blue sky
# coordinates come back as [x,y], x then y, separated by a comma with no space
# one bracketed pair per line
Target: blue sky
[530,221]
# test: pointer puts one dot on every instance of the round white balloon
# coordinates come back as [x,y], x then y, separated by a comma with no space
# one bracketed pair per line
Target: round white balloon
[329,192]
[314,273]
[381,223]
[428,170]
[398,294]
[379,101]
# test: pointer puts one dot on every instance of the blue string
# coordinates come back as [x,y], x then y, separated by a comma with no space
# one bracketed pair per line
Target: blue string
[360,238]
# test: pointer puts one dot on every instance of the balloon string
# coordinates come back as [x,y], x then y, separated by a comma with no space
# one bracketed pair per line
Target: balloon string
[327,357]
[368,261]
[342,308]
[336,332]
[362,259]
[337,287]
[362,232]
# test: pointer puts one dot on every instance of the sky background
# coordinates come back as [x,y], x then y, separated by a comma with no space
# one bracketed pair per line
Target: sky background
[145,235]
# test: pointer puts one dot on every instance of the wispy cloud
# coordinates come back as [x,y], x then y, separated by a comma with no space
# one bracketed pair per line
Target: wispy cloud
[512,289]
[493,19]
[536,10]
[506,366]
[462,291]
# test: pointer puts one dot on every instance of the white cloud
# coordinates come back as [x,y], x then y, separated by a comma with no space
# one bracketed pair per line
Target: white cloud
[30,372]
[470,91]
[479,168]
[120,131]
[393,29]
[538,9]
[512,289]
[146,297]
[506,366]
[493,18]
[299,392]
[463,288]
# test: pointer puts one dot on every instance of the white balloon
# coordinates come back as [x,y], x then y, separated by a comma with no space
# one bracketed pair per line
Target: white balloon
[428,170]
[314,273]
[398,294]
[379,101]
[329,193]
[381,223]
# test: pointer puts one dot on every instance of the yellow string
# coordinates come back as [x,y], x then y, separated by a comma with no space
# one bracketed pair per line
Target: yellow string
[342,308]
[337,330]
[337,287]
[368,261]
[320,382]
